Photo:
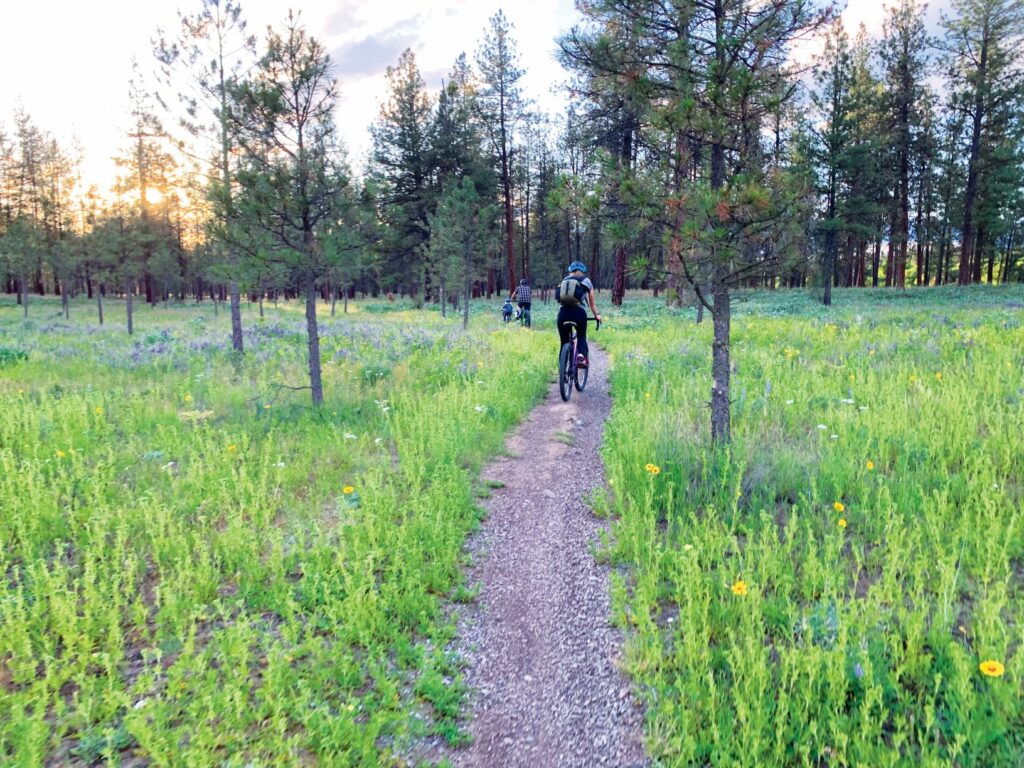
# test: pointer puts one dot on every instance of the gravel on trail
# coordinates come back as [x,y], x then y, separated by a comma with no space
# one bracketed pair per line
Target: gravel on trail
[540,651]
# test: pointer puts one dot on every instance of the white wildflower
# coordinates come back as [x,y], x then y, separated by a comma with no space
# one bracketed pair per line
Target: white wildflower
[822,427]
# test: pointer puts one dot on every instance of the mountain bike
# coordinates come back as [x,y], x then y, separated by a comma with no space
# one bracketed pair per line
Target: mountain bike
[569,374]
[523,316]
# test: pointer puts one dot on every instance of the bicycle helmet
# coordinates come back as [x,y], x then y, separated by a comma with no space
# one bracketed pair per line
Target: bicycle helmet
[523,281]
[577,265]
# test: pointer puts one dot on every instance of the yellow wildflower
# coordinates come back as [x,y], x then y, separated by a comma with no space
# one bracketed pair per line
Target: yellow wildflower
[842,522]
[991,668]
[648,466]
[347,489]
[870,465]
[839,506]
[266,407]
[938,376]
[655,469]
[739,588]
[99,411]
[232,448]
[60,454]
[187,398]
[913,378]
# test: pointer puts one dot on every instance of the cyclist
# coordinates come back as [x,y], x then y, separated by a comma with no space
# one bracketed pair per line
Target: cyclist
[506,310]
[521,293]
[575,289]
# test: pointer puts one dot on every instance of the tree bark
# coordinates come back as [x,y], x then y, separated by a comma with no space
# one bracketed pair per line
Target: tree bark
[236,318]
[313,339]
[23,285]
[129,306]
[720,316]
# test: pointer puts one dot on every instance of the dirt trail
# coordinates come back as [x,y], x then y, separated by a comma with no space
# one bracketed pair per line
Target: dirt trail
[541,652]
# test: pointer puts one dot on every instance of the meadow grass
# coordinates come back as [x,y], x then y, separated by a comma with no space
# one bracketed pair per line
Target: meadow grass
[825,591]
[200,569]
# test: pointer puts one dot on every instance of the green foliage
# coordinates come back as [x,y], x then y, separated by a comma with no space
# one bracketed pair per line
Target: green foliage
[201,570]
[11,355]
[847,643]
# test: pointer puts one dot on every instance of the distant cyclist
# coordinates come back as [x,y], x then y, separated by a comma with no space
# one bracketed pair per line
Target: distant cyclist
[521,293]
[573,294]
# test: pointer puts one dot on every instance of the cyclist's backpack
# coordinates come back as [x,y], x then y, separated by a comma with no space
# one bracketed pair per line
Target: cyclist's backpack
[570,292]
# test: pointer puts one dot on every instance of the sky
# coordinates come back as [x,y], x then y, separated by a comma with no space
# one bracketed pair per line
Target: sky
[67,62]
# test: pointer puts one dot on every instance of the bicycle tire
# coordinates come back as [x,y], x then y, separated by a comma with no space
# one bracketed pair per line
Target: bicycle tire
[565,373]
[581,373]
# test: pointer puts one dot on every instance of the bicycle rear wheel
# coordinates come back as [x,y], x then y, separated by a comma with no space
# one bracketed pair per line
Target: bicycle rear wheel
[565,372]
[580,380]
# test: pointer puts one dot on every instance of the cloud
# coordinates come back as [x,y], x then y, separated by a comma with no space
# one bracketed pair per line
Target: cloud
[372,54]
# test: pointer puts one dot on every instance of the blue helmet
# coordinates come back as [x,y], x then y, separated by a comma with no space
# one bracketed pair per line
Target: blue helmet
[577,265]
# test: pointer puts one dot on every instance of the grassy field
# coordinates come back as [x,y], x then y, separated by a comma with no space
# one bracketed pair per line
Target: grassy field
[845,586]
[199,569]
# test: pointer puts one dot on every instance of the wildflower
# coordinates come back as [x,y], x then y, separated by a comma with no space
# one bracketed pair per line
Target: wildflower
[648,466]
[834,436]
[913,378]
[991,668]
[266,406]
[739,588]
[822,427]
[479,408]
[858,671]
[789,402]
[842,522]
[60,454]
[187,398]
[347,489]
[839,506]
[938,376]
[862,408]
[847,400]
[232,448]
[687,547]
[870,465]
[647,394]
[655,470]
[349,436]
[99,411]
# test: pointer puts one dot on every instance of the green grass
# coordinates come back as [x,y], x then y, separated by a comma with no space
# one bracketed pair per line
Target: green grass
[200,569]
[187,581]
[898,413]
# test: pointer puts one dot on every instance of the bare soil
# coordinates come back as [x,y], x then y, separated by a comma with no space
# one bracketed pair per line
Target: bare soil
[541,653]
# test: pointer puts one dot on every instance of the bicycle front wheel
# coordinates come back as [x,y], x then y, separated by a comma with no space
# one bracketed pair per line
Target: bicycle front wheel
[565,372]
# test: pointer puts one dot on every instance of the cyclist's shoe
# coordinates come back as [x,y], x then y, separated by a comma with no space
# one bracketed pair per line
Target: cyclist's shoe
[581,361]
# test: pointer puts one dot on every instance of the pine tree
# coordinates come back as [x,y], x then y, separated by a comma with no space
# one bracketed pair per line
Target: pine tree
[212,45]
[500,107]
[983,40]
[293,178]
[401,170]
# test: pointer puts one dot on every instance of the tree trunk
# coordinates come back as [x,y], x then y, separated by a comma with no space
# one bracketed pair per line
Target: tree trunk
[334,298]
[720,316]
[971,192]
[236,318]
[979,250]
[128,305]
[875,258]
[466,287]
[619,281]
[23,284]
[67,311]
[313,339]
[99,303]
